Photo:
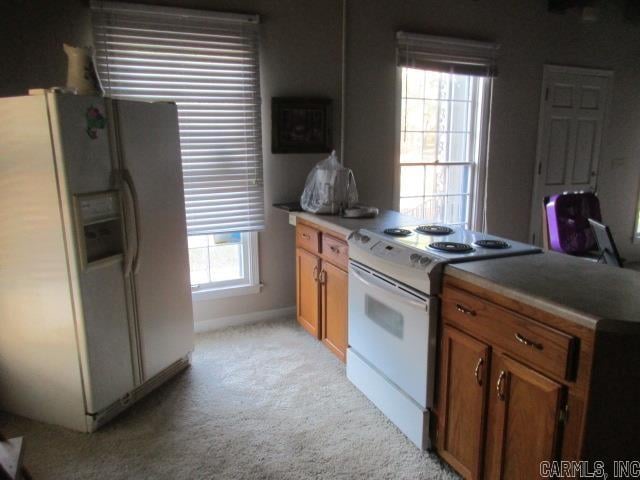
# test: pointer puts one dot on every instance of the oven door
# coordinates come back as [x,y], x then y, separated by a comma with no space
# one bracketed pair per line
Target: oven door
[392,327]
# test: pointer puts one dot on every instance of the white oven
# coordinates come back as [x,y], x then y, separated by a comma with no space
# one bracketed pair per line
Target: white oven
[391,355]
[395,275]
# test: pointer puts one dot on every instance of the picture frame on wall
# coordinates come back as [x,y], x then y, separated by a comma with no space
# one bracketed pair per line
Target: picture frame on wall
[301,125]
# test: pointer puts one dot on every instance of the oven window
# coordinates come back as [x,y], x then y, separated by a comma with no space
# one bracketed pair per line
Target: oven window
[384,316]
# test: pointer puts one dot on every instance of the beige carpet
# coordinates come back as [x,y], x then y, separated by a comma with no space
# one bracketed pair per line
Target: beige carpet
[260,401]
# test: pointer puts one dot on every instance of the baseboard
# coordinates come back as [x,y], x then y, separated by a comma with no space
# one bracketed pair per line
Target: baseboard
[244,319]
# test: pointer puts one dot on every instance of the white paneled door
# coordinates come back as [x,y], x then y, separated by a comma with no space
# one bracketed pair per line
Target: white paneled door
[572,113]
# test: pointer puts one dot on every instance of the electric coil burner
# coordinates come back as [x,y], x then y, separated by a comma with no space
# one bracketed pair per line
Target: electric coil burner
[397,232]
[495,244]
[434,230]
[451,247]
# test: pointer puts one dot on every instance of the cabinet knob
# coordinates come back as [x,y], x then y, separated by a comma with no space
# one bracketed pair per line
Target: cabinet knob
[478,371]
[500,385]
[306,236]
[467,311]
[529,343]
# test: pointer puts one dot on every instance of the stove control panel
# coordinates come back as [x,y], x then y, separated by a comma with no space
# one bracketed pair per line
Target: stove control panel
[390,251]
[400,255]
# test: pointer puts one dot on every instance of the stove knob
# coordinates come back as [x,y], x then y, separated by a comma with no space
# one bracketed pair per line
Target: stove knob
[415,257]
[425,260]
[364,239]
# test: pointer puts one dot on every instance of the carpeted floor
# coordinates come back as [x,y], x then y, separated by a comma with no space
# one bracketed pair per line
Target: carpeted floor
[260,401]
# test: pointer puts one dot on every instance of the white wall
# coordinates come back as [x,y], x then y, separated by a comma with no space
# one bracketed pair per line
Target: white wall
[529,37]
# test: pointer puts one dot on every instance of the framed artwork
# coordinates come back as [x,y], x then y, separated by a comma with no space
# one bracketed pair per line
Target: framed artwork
[300,125]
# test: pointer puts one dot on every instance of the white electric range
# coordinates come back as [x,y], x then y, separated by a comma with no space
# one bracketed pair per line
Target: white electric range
[395,276]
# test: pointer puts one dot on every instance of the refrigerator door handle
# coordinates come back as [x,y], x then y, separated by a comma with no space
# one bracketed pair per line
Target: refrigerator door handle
[127,180]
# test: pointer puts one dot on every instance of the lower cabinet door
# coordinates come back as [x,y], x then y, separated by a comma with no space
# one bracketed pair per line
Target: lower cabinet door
[464,377]
[334,309]
[307,291]
[524,420]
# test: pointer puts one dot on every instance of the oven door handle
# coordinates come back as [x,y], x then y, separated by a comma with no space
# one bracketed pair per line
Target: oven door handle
[378,284]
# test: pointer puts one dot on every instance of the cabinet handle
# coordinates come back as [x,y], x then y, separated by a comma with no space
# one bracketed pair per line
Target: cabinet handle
[334,249]
[500,385]
[529,343]
[323,277]
[465,310]
[306,236]
[478,371]
[315,273]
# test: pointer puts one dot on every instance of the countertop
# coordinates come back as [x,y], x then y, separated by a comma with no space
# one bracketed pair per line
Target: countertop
[593,295]
[344,226]
[596,296]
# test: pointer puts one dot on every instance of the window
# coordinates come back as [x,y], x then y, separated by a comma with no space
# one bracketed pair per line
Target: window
[208,64]
[443,130]
[439,152]
[226,260]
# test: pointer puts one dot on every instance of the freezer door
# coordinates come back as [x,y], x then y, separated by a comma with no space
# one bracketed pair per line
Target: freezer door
[80,130]
[150,153]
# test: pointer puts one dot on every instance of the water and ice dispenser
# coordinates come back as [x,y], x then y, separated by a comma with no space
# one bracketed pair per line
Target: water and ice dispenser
[99,221]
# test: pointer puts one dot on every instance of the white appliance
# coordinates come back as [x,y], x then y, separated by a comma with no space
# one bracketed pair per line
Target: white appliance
[395,276]
[95,302]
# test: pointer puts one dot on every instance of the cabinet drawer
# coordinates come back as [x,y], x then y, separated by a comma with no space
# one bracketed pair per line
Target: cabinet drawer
[308,238]
[336,251]
[544,347]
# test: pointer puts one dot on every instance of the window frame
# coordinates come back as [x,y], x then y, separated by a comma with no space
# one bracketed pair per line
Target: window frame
[247,285]
[480,139]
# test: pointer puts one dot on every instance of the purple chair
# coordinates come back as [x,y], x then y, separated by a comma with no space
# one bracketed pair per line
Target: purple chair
[568,217]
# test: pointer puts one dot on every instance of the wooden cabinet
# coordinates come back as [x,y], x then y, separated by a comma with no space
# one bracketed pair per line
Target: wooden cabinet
[524,420]
[307,291]
[322,286]
[334,284]
[536,344]
[506,382]
[463,394]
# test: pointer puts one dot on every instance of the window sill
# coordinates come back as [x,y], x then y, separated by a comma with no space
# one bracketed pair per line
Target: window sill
[224,292]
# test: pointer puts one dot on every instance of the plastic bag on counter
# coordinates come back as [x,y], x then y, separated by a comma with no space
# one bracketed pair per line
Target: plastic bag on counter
[330,187]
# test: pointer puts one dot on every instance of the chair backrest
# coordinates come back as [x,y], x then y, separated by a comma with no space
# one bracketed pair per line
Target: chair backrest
[568,217]
[606,245]
[545,224]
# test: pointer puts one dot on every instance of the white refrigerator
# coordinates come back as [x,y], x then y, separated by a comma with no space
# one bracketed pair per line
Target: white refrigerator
[95,300]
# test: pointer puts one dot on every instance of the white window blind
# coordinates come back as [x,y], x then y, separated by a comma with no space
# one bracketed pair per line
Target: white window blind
[207,63]
[446,55]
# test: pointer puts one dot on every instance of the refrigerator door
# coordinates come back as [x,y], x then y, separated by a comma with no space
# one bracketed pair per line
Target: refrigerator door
[40,376]
[80,132]
[150,155]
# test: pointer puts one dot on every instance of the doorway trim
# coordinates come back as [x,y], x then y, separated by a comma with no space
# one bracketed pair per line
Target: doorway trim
[546,71]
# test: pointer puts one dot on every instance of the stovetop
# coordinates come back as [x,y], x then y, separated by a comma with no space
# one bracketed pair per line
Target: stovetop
[422,242]
[417,259]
